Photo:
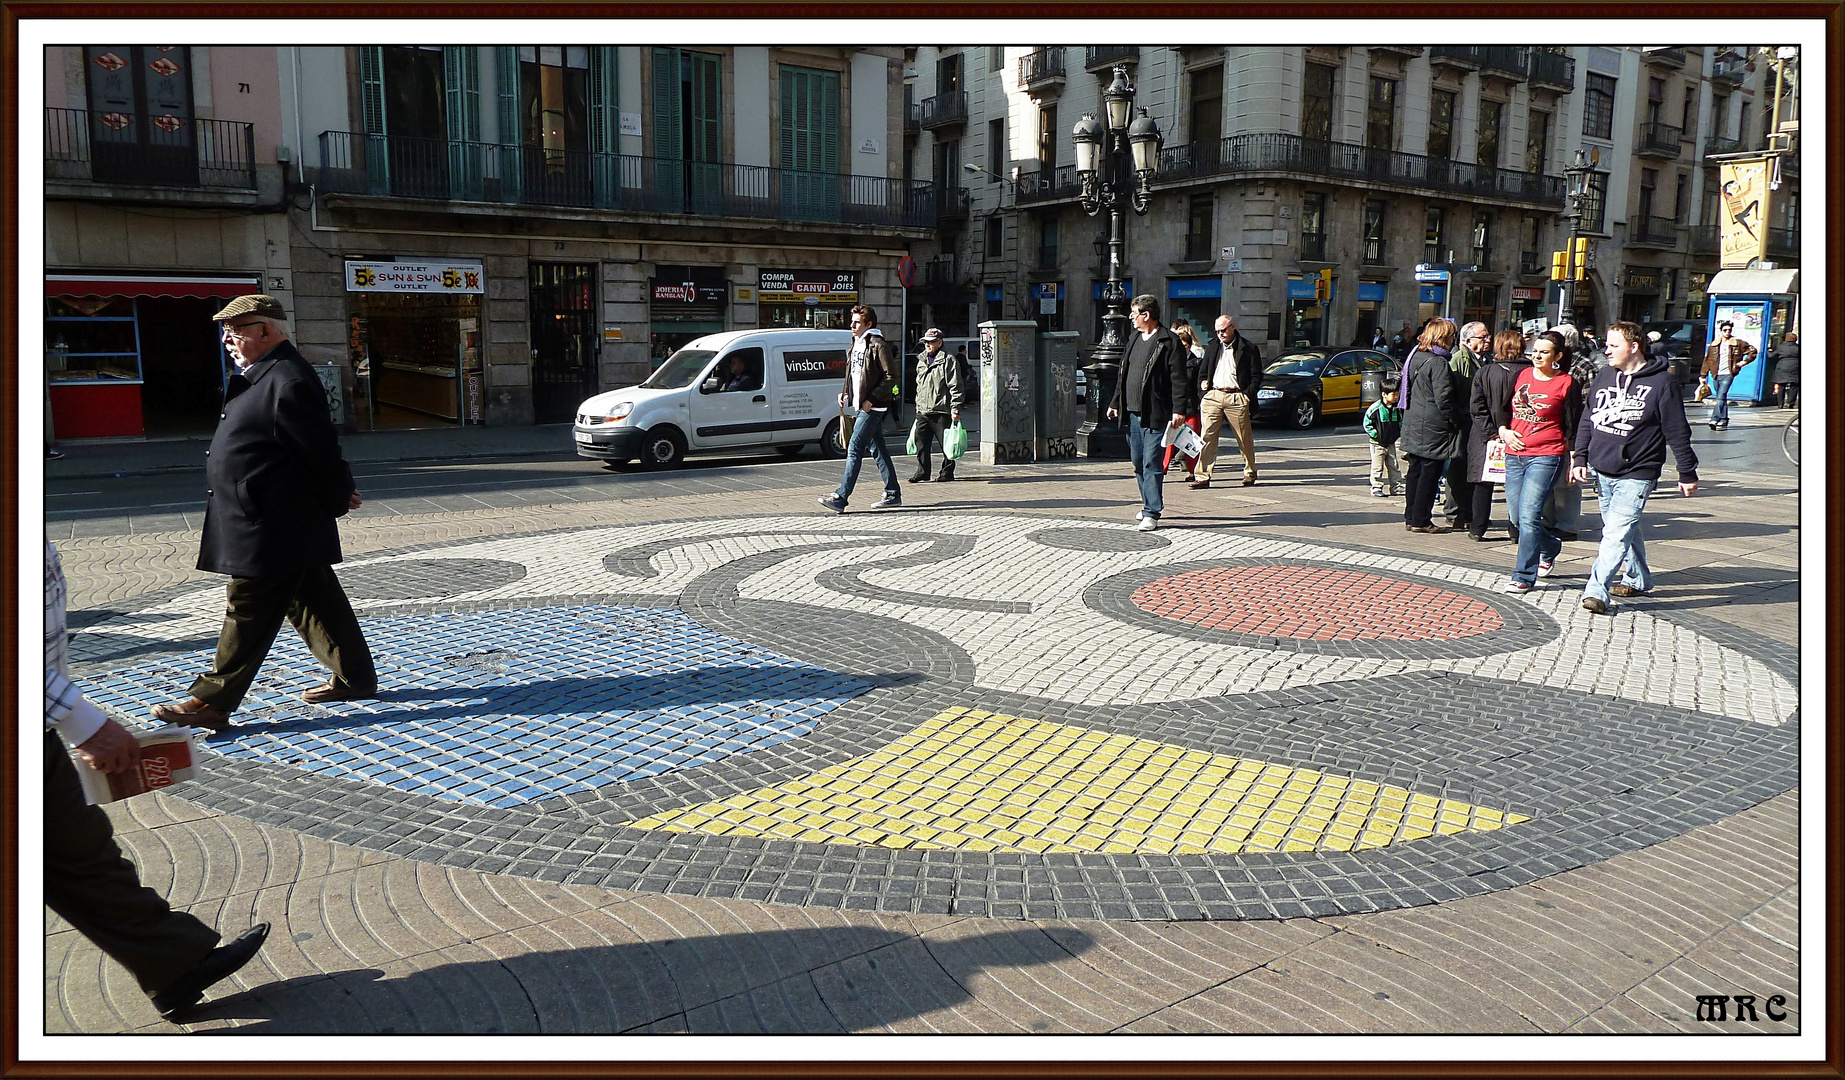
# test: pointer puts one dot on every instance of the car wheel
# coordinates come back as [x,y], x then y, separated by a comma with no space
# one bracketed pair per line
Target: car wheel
[1306,412]
[664,448]
[830,444]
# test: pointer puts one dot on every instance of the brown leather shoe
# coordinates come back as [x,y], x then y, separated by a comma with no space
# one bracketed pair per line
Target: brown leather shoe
[193,713]
[334,690]
[1618,589]
[1200,484]
[1249,481]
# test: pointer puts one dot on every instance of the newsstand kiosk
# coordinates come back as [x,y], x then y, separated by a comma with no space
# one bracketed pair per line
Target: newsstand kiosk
[1761,305]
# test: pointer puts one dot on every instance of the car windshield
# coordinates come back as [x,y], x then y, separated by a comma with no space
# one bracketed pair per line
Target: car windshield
[1296,364]
[679,370]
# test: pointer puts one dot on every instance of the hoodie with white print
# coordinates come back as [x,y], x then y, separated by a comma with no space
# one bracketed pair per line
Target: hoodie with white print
[1628,421]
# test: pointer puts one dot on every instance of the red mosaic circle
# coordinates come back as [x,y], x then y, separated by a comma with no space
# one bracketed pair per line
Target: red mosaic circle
[1316,603]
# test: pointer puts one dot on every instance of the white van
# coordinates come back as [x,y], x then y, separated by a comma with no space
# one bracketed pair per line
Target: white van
[738,389]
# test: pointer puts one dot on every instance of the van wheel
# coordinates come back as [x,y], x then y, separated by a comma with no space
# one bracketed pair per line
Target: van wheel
[830,444]
[664,448]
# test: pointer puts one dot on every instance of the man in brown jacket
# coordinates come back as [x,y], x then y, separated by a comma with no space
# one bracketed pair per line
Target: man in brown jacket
[871,381]
[1726,356]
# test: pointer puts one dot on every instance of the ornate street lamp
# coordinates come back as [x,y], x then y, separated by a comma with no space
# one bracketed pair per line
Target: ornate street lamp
[1115,164]
[1578,173]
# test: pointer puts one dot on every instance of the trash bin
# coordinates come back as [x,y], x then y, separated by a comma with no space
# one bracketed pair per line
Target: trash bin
[1370,387]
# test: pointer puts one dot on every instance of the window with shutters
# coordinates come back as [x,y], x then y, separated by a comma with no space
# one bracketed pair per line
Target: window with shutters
[554,123]
[415,120]
[809,153]
[1441,124]
[688,131]
[140,118]
[1047,137]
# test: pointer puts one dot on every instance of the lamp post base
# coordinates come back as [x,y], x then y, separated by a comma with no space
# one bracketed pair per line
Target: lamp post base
[1100,437]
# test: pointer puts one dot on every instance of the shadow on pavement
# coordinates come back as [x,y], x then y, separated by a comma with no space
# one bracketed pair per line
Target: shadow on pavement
[781,981]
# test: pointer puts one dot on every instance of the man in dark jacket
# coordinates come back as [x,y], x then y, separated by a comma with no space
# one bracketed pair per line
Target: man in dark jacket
[275,483]
[1155,392]
[1635,410]
[939,395]
[1231,373]
[1787,370]
[871,381]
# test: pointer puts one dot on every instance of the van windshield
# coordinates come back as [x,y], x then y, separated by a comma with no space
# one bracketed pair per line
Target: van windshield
[679,370]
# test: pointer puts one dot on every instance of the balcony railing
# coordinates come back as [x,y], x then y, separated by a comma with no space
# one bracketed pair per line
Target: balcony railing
[129,149]
[1730,68]
[1668,57]
[1661,140]
[944,109]
[357,164]
[1513,60]
[1103,57]
[1287,153]
[1653,232]
[1376,251]
[1718,144]
[939,273]
[912,118]
[952,207]
[1784,242]
[1463,56]
[1529,262]
[1553,69]
[1048,185]
[1198,247]
[1313,247]
[1041,68]
[1703,239]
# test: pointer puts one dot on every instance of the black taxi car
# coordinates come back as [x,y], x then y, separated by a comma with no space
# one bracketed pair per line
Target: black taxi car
[1303,384]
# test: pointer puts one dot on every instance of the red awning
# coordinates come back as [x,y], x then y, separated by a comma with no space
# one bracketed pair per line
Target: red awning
[204,287]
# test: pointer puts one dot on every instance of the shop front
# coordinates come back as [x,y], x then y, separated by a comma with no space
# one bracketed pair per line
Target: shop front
[1306,312]
[1371,297]
[684,302]
[414,343]
[1527,304]
[821,299]
[131,356]
[1640,294]
[1199,301]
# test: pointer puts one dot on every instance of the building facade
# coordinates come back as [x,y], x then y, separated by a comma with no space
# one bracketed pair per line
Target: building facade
[489,235]
[1281,163]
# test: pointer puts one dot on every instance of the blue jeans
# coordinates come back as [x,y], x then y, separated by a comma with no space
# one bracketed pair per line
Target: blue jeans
[1148,456]
[1527,488]
[868,437]
[1720,398]
[1623,548]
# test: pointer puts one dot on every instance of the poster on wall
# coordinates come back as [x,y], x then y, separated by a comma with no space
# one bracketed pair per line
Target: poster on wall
[1746,320]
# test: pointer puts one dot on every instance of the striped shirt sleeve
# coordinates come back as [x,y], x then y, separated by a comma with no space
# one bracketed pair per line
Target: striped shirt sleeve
[65,709]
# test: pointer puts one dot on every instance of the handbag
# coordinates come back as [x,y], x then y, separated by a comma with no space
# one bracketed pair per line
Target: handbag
[1702,392]
[910,447]
[954,444]
[1493,471]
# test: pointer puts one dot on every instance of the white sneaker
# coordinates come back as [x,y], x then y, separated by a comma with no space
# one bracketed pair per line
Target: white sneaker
[1516,587]
[1140,515]
[1148,524]
[1544,567]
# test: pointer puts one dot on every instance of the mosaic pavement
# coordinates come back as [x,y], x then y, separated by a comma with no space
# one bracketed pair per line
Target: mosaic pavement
[998,715]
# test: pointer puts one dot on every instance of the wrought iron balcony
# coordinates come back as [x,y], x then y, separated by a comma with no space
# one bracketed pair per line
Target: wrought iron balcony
[1512,60]
[162,151]
[1465,57]
[1313,247]
[1653,232]
[1241,155]
[452,171]
[1730,68]
[1529,263]
[1674,57]
[1411,51]
[1042,70]
[944,110]
[1105,57]
[1048,185]
[953,205]
[1717,144]
[1703,239]
[912,118]
[1553,68]
[1659,140]
[939,273]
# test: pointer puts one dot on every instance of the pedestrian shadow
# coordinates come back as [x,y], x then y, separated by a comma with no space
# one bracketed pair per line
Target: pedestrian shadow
[612,698]
[804,980]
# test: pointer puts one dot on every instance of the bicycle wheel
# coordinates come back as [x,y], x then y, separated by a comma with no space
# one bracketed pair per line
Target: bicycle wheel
[1790,439]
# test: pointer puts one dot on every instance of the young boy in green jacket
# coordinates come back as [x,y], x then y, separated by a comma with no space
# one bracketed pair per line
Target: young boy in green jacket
[1383,422]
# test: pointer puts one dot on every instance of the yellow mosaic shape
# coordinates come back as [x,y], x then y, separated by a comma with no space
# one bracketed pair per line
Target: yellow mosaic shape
[986,782]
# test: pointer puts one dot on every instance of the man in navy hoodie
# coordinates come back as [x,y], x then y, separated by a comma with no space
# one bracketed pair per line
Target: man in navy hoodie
[1632,413]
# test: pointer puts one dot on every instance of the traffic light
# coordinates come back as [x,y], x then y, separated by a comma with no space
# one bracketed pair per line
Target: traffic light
[1559,265]
[1322,286]
[1580,264]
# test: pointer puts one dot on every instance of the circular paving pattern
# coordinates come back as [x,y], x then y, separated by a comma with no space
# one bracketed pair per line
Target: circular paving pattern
[1098,540]
[1316,604]
[423,579]
[919,719]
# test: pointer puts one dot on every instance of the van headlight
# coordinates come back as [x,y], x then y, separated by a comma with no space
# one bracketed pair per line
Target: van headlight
[620,411]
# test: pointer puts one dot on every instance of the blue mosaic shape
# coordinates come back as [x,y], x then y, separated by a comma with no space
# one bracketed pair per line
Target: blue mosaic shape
[499,708]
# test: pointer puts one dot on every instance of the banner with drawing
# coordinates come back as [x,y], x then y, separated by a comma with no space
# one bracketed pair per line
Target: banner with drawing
[1744,212]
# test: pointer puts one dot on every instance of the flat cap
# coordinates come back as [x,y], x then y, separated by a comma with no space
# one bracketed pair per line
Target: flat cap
[252,304]
[932,334]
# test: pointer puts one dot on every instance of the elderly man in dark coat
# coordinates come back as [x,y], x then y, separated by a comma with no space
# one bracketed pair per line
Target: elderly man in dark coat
[275,483]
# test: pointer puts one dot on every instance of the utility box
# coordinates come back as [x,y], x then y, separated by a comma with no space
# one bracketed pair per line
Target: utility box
[1058,358]
[1007,418]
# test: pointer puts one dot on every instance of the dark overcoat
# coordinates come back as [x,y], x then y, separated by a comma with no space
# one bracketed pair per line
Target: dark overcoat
[275,480]
[1168,383]
[1491,408]
[1245,357]
[1435,420]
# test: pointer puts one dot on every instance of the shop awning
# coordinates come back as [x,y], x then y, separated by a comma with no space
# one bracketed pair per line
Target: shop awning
[125,285]
[1755,282]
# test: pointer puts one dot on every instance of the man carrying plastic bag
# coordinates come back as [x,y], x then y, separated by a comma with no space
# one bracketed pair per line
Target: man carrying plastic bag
[939,393]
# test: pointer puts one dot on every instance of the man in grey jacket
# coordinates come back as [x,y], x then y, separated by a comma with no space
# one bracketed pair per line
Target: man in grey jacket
[939,394]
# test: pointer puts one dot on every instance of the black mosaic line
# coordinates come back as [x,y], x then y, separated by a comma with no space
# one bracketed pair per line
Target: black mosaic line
[1099,540]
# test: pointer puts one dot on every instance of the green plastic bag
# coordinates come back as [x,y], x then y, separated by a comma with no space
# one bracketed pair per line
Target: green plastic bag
[910,447]
[954,444]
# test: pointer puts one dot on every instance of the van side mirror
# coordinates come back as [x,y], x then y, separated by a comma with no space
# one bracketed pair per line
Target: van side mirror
[709,386]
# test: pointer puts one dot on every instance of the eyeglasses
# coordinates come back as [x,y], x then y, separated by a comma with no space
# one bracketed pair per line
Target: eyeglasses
[240,329]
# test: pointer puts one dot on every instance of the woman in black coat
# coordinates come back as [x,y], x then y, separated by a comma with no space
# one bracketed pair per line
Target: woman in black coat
[1490,405]
[1435,421]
